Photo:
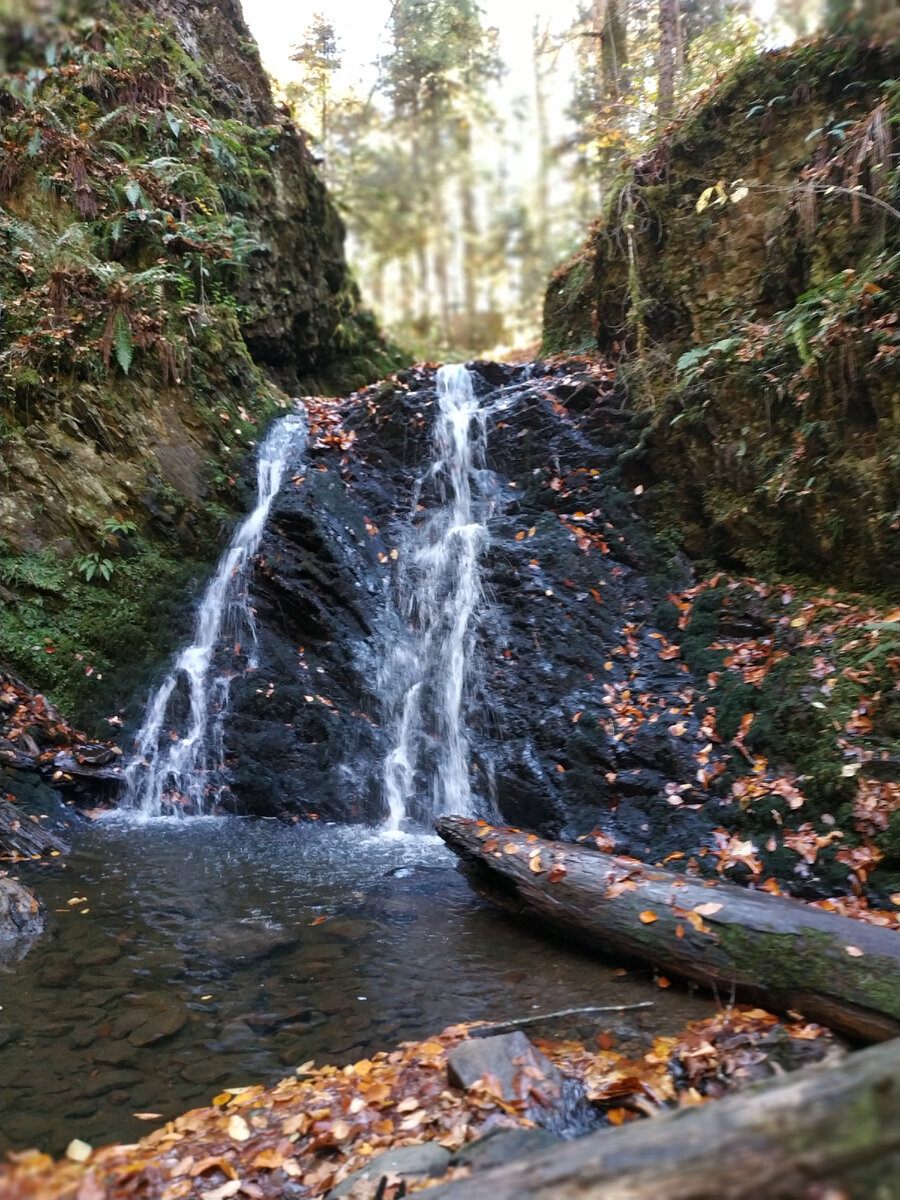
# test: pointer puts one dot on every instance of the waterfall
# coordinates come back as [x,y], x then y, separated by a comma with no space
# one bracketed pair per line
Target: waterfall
[422,680]
[179,765]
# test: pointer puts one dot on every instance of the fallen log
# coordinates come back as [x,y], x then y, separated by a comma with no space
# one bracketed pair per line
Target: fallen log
[767,949]
[22,837]
[835,1125]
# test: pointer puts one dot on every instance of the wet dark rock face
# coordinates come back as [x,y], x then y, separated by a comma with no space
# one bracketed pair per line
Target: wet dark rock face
[571,578]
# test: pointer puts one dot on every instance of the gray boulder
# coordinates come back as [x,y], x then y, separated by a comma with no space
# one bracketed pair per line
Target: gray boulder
[22,918]
[409,1162]
[510,1064]
[501,1146]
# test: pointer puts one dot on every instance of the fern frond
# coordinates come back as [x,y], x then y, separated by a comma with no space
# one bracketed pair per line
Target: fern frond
[123,344]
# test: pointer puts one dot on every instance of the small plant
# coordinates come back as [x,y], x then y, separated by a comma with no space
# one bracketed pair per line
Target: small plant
[90,565]
[115,525]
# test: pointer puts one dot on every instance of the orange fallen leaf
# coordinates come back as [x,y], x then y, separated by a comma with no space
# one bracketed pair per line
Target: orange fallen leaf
[647,917]
[556,873]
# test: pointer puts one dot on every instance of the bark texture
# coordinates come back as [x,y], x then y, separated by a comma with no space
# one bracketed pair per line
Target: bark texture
[768,949]
[833,1125]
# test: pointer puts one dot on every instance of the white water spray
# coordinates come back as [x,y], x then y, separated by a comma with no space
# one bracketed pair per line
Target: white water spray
[179,765]
[423,679]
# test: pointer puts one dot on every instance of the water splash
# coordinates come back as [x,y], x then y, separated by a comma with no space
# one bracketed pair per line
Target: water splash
[439,593]
[179,765]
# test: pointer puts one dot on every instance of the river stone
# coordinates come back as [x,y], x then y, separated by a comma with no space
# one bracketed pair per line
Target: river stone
[502,1146]
[128,1022]
[113,1054]
[100,956]
[409,1162]
[55,974]
[505,1058]
[247,942]
[111,1080]
[21,913]
[159,1026]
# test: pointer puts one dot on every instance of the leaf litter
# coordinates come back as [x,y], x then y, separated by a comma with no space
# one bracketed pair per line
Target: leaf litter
[313,1129]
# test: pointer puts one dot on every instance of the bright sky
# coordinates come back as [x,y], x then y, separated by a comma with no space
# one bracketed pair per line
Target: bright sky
[361,27]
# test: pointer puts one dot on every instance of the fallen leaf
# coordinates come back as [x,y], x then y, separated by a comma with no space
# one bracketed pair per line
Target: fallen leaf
[238,1128]
[647,917]
[231,1188]
[707,910]
[556,873]
[148,1116]
[78,1151]
[854,951]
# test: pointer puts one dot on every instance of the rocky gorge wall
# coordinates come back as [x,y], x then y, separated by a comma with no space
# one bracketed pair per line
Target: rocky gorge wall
[564,621]
[745,276]
[726,725]
[171,260]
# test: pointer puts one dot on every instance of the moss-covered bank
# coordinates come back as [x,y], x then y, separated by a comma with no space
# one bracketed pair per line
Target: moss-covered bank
[169,256]
[761,333]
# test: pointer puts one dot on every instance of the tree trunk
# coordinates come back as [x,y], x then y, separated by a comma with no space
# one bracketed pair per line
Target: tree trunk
[668,39]
[832,1129]
[541,45]
[467,208]
[768,949]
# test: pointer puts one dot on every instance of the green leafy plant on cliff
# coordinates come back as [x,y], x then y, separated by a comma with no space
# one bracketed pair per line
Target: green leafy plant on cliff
[122,205]
[93,564]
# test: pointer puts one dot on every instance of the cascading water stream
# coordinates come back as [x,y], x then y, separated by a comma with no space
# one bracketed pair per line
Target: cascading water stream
[423,679]
[182,770]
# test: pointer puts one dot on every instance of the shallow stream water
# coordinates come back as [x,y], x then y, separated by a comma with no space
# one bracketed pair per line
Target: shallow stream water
[196,958]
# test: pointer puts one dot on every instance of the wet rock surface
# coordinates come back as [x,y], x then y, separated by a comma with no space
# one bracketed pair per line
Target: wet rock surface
[409,1162]
[508,1065]
[22,919]
[565,634]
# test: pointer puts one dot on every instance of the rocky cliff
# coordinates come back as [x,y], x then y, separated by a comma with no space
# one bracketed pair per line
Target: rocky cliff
[170,257]
[746,276]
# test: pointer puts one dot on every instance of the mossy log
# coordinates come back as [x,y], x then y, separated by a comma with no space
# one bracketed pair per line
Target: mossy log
[835,1125]
[767,949]
[22,837]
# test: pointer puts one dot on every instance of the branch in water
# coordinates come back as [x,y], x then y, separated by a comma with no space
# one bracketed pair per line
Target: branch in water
[485,1030]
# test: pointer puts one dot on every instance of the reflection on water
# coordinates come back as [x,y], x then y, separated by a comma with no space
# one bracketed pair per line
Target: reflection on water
[214,952]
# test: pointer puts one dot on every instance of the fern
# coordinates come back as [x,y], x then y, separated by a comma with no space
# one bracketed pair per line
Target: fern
[20,231]
[109,119]
[124,346]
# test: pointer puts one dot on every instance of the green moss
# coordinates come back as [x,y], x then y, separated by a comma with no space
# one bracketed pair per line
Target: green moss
[569,309]
[89,645]
[816,958]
